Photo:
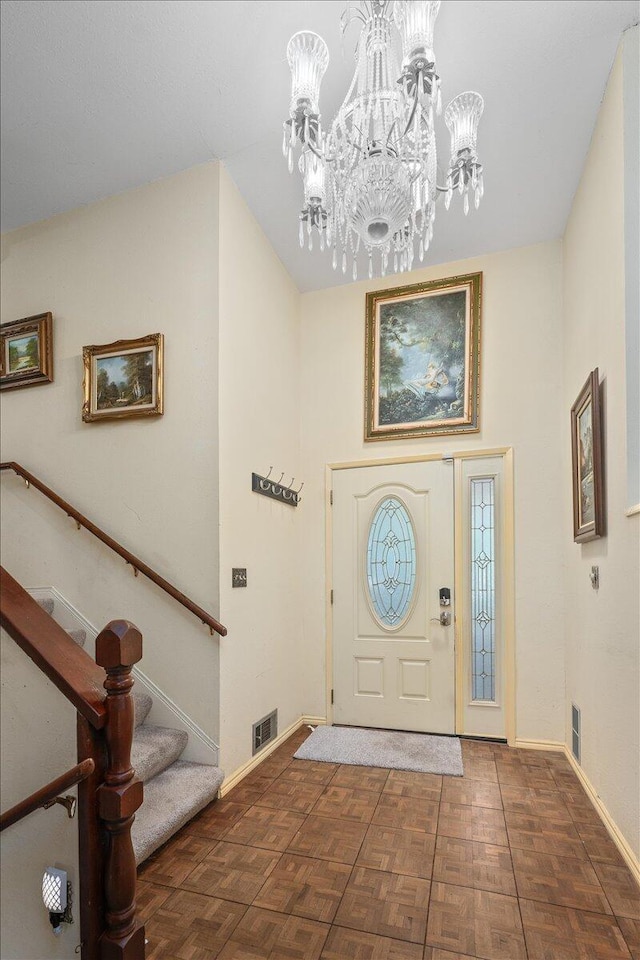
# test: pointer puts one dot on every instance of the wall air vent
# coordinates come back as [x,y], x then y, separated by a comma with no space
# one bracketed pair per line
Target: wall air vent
[575,731]
[264,731]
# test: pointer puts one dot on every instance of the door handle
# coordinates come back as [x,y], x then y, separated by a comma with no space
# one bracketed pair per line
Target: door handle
[444,619]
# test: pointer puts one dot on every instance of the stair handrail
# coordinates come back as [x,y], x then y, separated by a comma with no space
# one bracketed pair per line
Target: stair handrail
[109,793]
[43,796]
[139,566]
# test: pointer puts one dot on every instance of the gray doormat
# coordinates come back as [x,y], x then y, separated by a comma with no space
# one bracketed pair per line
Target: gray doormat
[390,749]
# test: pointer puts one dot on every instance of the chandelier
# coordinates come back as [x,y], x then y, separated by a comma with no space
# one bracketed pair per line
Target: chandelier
[370,180]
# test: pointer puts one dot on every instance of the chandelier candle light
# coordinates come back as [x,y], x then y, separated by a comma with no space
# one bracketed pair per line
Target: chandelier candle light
[371,180]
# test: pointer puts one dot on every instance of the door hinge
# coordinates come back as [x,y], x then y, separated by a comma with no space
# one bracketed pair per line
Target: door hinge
[331,497]
[332,598]
[332,698]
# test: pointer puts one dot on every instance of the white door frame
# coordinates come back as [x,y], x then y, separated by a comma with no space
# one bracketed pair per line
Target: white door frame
[508,573]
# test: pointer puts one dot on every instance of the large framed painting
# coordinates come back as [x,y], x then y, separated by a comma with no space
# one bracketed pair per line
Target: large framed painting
[422,367]
[587,460]
[26,352]
[123,379]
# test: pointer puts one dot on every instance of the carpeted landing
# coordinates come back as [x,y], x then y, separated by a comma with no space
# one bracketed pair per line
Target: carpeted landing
[391,749]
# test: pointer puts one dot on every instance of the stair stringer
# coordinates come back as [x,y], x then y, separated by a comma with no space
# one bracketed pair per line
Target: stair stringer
[200,748]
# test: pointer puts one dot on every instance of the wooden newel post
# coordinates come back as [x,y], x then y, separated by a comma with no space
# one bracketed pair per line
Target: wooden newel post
[118,647]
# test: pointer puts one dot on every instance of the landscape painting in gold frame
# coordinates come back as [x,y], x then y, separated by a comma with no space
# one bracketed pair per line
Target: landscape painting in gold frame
[422,359]
[26,352]
[123,379]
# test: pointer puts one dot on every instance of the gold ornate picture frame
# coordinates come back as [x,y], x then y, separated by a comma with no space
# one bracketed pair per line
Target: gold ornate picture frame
[587,462]
[124,379]
[26,352]
[422,359]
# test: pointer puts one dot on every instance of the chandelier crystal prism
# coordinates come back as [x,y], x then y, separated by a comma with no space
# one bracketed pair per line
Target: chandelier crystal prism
[371,181]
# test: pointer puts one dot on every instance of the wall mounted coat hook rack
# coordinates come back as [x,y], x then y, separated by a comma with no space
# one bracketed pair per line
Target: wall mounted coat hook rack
[275,490]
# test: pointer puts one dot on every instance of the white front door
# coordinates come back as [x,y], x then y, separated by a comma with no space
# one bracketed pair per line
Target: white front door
[393,660]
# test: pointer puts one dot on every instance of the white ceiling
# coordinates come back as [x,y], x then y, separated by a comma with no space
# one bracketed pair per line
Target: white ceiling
[101,96]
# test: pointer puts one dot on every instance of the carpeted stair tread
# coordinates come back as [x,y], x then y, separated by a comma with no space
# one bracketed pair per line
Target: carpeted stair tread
[155,748]
[142,703]
[78,636]
[47,605]
[170,800]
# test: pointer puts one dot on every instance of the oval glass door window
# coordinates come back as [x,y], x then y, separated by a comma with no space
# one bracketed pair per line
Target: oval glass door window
[391,563]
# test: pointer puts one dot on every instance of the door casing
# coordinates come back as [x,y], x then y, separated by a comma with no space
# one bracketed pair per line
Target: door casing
[508,573]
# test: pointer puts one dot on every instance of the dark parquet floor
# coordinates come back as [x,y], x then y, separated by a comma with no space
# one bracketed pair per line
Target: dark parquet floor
[315,861]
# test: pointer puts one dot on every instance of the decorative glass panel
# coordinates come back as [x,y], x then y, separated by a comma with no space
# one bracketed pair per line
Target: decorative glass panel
[391,562]
[483,590]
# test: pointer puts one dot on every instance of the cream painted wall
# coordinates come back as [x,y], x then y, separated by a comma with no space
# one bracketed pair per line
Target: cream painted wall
[602,627]
[520,399]
[47,838]
[262,658]
[138,263]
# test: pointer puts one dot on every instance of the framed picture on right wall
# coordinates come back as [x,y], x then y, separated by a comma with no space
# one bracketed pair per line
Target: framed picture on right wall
[587,461]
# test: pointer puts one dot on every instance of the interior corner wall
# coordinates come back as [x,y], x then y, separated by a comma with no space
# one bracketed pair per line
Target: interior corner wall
[603,626]
[142,262]
[521,373]
[262,657]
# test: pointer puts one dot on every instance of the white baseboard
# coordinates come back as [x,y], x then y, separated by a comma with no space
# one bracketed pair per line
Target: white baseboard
[612,829]
[629,856]
[234,779]
[540,745]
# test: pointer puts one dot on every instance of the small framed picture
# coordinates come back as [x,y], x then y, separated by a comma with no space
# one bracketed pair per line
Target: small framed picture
[422,359]
[123,379]
[587,460]
[26,352]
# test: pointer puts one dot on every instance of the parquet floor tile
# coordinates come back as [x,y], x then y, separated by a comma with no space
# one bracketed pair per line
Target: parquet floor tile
[406,812]
[356,945]
[191,926]
[264,935]
[534,802]
[477,769]
[631,933]
[419,786]
[468,863]
[214,821]
[386,904]
[360,778]
[475,922]
[337,840]
[621,889]
[274,765]
[267,828]
[562,933]
[150,896]
[305,887]
[309,771]
[173,863]
[248,795]
[395,850]
[580,807]
[232,872]
[480,749]
[525,776]
[289,795]
[544,835]
[598,843]
[436,953]
[561,880]
[465,822]
[477,793]
[310,861]
[347,803]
